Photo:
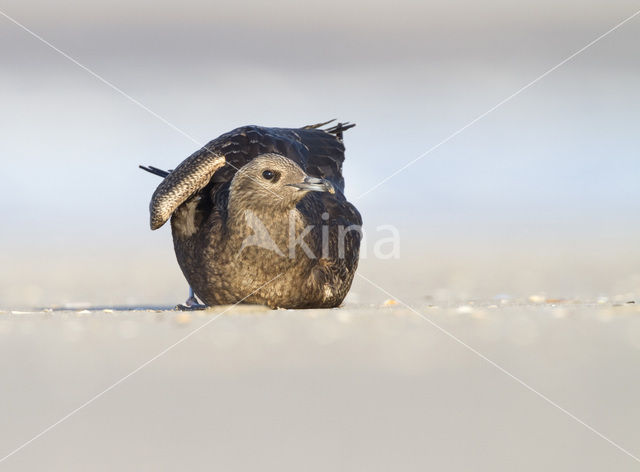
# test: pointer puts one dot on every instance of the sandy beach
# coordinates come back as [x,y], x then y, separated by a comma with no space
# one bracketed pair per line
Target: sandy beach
[434,368]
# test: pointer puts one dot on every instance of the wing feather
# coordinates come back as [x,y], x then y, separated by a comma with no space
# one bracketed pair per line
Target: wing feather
[320,152]
[189,177]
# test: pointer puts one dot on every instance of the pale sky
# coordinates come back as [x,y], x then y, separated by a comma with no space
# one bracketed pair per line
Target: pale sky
[561,156]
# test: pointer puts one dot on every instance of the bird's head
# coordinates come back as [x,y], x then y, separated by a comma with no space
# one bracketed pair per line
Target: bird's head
[275,180]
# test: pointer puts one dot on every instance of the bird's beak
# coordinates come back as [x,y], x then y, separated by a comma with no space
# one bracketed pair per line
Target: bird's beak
[314,184]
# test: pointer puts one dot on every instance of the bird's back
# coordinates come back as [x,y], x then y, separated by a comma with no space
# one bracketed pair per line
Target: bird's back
[318,151]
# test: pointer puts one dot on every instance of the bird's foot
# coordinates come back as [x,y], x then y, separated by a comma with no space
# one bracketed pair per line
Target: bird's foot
[191,304]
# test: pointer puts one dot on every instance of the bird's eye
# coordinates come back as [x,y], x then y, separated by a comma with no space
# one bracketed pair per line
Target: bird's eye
[267,174]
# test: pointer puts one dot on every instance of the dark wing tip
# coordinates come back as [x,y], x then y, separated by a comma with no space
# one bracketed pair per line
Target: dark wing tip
[340,127]
[155,170]
[336,130]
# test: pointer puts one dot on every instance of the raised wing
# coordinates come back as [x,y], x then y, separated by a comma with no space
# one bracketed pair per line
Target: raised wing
[320,152]
[192,175]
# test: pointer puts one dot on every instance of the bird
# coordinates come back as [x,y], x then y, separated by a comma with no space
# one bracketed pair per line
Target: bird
[259,216]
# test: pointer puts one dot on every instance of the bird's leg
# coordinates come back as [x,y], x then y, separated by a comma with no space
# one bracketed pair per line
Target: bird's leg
[192,300]
[191,303]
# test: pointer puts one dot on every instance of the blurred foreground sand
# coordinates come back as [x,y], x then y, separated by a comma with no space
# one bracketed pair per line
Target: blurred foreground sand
[369,386]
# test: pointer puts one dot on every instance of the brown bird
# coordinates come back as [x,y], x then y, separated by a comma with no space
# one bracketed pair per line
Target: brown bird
[258,215]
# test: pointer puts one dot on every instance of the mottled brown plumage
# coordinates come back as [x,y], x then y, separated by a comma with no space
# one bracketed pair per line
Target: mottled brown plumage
[239,206]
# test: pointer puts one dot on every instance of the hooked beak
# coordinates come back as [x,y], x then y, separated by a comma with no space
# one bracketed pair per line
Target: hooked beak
[314,184]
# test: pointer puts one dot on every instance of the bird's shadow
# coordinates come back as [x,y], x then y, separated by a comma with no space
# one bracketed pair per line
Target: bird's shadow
[149,308]
[112,308]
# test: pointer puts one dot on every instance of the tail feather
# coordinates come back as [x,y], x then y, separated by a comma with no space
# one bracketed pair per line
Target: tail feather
[340,128]
[336,130]
[318,125]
